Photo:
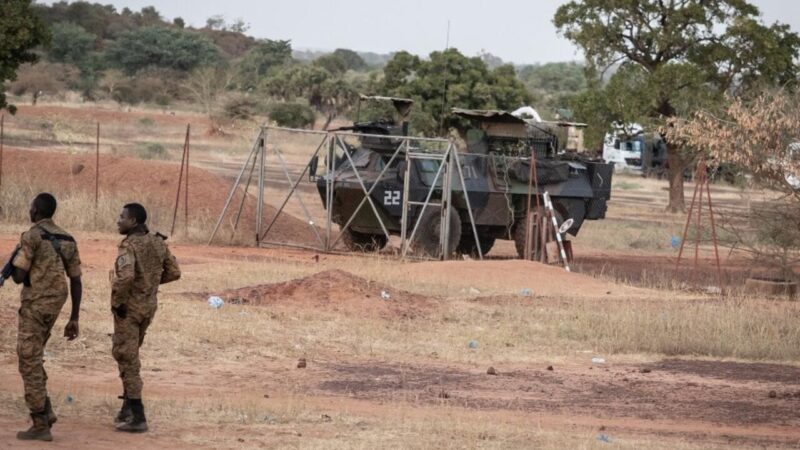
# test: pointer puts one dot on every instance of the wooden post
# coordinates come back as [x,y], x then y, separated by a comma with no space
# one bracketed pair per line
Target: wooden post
[701,183]
[180,185]
[532,247]
[686,227]
[528,230]
[186,194]
[714,237]
[97,169]
[2,136]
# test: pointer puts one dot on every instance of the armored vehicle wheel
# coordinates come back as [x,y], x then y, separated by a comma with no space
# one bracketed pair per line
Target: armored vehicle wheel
[363,242]
[537,246]
[427,240]
[466,246]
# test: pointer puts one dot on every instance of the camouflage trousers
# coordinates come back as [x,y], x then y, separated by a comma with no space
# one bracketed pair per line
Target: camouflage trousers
[36,320]
[128,337]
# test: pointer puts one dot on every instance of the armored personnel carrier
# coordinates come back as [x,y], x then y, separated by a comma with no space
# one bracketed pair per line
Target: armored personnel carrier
[496,169]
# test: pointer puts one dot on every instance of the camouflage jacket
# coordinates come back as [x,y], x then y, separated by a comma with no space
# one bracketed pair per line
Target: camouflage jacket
[144,262]
[44,265]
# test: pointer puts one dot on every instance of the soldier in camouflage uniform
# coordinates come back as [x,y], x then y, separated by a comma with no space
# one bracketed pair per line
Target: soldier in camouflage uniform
[144,262]
[44,254]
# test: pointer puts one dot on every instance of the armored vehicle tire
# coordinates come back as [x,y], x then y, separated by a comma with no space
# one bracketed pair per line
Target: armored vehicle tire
[363,242]
[426,241]
[466,246]
[537,246]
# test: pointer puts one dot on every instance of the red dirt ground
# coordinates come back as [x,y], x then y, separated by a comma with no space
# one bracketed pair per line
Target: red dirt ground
[514,275]
[148,182]
[109,115]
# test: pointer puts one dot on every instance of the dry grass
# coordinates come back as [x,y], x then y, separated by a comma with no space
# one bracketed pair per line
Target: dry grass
[77,210]
[512,331]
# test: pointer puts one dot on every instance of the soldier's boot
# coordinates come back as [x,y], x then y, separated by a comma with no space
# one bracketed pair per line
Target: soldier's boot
[51,416]
[39,431]
[137,422]
[124,413]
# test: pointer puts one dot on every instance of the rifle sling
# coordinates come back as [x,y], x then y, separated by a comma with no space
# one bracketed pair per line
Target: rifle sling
[55,240]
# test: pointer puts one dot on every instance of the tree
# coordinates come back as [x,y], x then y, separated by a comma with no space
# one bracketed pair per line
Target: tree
[294,115]
[159,47]
[44,79]
[332,63]
[267,55]
[149,17]
[677,57]
[763,137]
[216,22]
[206,84]
[352,60]
[20,31]
[329,94]
[239,26]
[449,79]
[71,44]
[111,81]
[492,61]
[553,85]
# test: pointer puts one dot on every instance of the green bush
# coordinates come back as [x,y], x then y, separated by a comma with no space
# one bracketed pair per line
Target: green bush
[293,115]
[241,107]
[153,150]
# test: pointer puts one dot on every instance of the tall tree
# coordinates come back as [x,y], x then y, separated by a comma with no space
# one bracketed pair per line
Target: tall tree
[761,135]
[20,31]
[71,44]
[449,79]
[352,60]
[266,56]
[159,47]
[329,94]
[678,55]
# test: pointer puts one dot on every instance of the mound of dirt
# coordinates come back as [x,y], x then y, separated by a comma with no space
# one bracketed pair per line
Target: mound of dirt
[334,291]
[153,183]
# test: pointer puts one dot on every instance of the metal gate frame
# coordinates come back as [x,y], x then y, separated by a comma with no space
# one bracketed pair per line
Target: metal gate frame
[330,140]
[447,160]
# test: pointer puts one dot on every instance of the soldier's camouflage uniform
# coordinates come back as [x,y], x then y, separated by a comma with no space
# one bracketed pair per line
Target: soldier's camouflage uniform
[143,263]
[41,303]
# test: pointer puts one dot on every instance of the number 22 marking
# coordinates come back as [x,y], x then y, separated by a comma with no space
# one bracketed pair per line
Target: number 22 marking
[391,198]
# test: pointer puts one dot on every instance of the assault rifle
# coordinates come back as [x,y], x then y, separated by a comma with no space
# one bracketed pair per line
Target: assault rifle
[8,269]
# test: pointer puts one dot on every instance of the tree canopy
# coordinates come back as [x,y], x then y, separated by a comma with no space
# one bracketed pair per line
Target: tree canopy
[674,57]
[159,47]
[450,79]
[71,44]
[352,60]
[761,135]
[266,56]
[20,31]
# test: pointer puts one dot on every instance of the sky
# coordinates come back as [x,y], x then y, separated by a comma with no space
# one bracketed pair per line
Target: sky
[518,31]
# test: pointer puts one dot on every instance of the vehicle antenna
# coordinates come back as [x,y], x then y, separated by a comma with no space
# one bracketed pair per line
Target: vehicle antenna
[446,73]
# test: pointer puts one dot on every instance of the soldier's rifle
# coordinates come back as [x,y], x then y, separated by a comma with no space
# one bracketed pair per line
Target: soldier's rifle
[8,269]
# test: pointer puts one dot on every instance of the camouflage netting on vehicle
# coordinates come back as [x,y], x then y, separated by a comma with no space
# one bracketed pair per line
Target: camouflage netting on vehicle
[547,172]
